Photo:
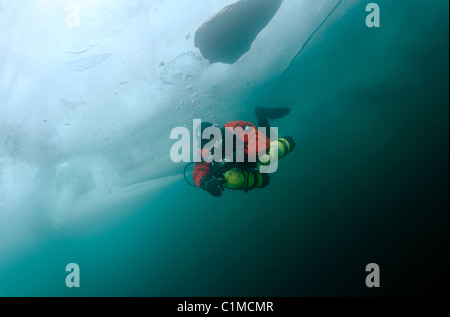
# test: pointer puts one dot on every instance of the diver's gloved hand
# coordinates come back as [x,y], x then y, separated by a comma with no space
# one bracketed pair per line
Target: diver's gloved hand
[212,185]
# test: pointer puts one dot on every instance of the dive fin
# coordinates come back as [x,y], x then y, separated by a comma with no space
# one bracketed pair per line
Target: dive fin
[272,113]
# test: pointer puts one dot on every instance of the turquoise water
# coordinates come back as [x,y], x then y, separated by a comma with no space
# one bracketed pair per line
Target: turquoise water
[367,183]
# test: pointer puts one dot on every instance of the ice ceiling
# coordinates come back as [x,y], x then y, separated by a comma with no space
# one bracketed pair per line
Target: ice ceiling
[86,112]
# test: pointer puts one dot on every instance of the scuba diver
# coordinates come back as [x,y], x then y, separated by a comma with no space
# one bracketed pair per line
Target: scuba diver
[214,176]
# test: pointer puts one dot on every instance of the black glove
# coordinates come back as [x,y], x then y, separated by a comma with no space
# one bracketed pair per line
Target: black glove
[212,185]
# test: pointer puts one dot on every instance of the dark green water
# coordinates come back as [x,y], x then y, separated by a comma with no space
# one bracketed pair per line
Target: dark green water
[368,183]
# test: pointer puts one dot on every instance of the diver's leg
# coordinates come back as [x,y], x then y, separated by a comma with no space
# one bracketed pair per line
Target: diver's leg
[262,119]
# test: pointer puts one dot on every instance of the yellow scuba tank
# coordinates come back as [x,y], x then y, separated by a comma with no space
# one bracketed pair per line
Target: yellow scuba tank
[245,179]
[248,179]
[283,146]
